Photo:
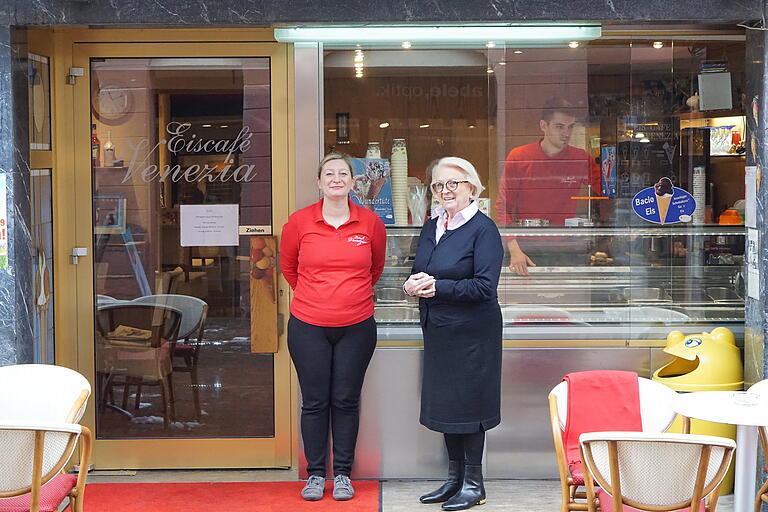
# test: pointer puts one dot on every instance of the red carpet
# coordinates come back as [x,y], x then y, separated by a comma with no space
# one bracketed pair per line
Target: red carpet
[224,497]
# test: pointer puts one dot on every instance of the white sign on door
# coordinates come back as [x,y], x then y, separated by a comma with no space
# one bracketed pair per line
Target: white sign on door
[209,225]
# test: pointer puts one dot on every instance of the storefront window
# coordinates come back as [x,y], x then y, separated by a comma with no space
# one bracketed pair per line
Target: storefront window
[614,169]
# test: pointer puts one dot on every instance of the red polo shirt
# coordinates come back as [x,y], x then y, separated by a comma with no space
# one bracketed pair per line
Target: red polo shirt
[536,186]
[332,271]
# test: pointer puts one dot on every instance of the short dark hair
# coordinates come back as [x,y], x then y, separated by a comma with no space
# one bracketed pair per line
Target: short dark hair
[554,105]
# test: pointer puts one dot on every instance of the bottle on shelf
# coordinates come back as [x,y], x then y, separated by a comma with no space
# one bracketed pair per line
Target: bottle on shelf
[109,151]
[95,148]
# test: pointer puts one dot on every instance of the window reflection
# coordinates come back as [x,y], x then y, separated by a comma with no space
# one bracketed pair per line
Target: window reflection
[174,324]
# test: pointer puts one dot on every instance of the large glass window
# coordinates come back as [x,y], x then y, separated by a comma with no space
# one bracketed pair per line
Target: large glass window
[615,168]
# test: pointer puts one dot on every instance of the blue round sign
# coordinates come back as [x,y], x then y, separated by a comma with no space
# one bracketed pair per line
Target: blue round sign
[669,208]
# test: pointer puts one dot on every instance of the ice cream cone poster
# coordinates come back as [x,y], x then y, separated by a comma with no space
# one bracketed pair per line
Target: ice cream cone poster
[608,170]
[373,187]
[664,204]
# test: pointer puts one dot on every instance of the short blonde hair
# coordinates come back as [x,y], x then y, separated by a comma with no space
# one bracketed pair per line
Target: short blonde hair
[466,168]
[333,156]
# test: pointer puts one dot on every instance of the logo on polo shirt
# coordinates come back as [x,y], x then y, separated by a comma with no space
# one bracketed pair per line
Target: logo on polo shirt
[359,240]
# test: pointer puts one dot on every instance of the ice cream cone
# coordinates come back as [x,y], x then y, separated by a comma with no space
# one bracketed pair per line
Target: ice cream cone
[376,186]
[663,204]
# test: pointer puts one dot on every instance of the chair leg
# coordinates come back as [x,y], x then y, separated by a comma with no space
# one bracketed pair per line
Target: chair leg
[126,390]
[137,400]
[171,399]
[164,404]
[195,392]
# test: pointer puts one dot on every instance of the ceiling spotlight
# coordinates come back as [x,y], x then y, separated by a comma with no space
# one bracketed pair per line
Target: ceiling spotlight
[490,44]
[502,63]
[406,44]
[425,125]
[332,130]
[639,135]
[658,44]
[358,63]
[471,126]
[518,52]
[573,44]
[223,126]
[384,125]
[489,70]
[645,140]
[206,126]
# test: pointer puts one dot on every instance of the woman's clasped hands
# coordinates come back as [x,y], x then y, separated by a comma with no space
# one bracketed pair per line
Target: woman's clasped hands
[420,285]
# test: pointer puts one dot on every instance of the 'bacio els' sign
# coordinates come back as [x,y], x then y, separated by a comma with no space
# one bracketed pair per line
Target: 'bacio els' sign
[177,143]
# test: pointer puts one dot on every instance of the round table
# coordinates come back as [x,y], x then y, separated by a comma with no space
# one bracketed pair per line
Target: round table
[727,407]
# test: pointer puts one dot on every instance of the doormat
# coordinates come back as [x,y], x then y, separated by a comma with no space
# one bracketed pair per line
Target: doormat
[224,497]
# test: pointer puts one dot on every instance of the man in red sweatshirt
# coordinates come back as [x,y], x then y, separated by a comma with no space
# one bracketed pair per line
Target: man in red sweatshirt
[540,178]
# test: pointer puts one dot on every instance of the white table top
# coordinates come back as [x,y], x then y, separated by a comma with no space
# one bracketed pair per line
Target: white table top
[723,407]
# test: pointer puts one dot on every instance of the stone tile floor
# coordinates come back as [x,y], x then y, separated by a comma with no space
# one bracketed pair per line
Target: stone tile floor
[397,495]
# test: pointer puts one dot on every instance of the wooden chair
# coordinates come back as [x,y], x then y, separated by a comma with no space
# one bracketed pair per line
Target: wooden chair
[39,413]
[654,472]
[761,388]
[656,413]
[194,312]
[135,343]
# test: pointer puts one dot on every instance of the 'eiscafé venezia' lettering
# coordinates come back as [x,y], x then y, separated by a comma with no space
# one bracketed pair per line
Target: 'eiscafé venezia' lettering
[177,143]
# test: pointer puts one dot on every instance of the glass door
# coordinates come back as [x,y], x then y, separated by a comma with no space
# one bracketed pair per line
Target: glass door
[181,185]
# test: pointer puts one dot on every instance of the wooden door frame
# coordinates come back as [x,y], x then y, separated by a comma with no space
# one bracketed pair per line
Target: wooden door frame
[74,283]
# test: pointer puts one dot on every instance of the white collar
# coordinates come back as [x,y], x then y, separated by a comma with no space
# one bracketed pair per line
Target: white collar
[467,213]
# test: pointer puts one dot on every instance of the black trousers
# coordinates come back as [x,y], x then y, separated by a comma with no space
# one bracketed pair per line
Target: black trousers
[330,363]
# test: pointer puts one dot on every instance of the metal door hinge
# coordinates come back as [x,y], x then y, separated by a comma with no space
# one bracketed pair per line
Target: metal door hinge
[73,74]
[77,252]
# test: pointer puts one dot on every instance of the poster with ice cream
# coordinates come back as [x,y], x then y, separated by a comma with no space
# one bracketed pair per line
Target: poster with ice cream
[372,188]
[664,203]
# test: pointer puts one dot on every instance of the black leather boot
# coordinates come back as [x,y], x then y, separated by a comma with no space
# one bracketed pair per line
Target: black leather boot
[472,491]
[450,487]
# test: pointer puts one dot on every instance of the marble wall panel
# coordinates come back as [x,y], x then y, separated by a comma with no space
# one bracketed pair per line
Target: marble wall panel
[239,12]
[16,281]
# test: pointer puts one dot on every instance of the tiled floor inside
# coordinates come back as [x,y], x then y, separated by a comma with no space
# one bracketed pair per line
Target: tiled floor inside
[397,495]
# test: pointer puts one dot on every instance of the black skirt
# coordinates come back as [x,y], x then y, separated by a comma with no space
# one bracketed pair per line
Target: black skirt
[461,381]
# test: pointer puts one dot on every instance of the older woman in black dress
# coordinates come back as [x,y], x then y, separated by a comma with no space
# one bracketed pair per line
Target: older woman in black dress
[455,274]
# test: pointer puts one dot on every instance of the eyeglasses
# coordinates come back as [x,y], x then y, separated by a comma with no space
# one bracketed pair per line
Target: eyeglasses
[450,185]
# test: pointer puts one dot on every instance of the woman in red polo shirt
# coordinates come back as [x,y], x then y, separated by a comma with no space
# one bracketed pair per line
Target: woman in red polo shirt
[331,253]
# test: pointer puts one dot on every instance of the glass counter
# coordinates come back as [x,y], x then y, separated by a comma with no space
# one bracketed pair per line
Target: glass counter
[612,284]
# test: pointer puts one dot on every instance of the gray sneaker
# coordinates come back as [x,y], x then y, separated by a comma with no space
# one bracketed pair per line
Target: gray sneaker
[314,489]
[342,488]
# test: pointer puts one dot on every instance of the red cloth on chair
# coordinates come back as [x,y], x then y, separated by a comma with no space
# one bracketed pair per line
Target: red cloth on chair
[52,493]
[606,504]
[600,401]
[577,472]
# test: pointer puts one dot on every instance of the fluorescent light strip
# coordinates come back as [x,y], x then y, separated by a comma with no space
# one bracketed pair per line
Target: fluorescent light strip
[445,34]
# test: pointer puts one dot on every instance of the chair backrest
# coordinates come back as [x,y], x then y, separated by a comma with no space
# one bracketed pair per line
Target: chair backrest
[656,401]
[193,310]
[665,471]
[42,393]
[138,324]
[38,397]
[19,444]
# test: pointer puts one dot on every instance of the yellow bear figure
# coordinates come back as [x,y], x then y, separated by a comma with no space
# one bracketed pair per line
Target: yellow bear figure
[709,361]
